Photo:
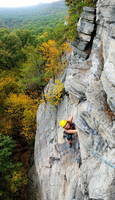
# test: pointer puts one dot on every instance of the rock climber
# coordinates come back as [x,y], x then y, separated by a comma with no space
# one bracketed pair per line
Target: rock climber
[69,129]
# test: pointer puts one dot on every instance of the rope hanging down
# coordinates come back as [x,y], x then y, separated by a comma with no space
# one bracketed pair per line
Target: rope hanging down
[95,154]
[94,133]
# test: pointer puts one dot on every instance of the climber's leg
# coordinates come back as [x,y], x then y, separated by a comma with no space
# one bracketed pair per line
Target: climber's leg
[70,143]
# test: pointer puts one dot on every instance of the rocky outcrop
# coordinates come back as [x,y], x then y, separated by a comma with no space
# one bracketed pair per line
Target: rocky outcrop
[87,170]
[86,31]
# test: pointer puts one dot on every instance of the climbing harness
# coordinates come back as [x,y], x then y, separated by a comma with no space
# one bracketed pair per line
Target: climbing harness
[69,137]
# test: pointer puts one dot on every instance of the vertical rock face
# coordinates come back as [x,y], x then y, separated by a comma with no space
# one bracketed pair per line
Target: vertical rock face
[87,170]
[86,30]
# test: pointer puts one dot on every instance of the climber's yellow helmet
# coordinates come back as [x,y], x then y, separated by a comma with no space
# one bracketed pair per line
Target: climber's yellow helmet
[63,123]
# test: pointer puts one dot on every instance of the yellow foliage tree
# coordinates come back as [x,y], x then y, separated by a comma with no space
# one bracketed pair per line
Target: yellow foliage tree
[18,180]
[22,111]
[66,48]
[43,36]
[52,57]
[7,84]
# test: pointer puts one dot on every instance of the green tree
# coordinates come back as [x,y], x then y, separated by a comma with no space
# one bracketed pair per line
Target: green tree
[8,168]
[11,54]
[26,37]
[31,71]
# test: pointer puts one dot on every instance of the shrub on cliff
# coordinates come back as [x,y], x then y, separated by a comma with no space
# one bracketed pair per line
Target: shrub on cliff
[55,93]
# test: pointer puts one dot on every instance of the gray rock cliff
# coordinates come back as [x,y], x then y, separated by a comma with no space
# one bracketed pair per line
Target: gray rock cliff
[87,170]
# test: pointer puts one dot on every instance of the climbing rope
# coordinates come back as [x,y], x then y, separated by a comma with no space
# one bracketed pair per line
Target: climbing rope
[90,131]
[95,154]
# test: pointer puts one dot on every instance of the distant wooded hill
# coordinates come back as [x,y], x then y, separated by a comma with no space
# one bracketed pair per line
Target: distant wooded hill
[36,18]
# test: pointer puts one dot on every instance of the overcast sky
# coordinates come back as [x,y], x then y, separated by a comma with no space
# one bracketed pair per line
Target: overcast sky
[21,3]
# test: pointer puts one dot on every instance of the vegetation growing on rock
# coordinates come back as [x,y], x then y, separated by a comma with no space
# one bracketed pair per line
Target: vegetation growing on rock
[55,93]
[74,12]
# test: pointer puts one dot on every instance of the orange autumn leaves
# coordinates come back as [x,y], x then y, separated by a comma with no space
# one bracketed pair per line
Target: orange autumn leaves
[52,55]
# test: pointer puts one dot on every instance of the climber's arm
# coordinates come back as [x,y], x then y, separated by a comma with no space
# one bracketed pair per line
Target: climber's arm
[70,119]
[71,131]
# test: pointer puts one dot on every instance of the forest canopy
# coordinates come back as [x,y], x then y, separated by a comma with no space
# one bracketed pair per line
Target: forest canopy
[32,46]
[38,19]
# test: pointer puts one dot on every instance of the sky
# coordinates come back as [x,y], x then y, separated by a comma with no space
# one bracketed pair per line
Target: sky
[21,3]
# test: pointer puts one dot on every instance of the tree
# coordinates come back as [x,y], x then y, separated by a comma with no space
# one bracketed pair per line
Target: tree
[12,177]
[11,54]
[27,37]
[31,72]
[23,109]
[52,57]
